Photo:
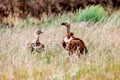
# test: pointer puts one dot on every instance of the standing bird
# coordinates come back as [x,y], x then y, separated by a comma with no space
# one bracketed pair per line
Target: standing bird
[73,44]
[36,45]
[68,36]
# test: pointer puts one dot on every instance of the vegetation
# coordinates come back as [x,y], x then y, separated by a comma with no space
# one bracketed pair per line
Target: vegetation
[92,13]
[102,39]
[37,8]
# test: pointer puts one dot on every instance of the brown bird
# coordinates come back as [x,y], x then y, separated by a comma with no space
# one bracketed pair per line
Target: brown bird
[68,36]
[73,44]
[36,45]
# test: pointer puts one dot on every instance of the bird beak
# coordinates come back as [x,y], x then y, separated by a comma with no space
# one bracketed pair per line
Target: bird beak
[63,23]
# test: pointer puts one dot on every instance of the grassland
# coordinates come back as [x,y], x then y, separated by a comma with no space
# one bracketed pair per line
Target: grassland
[102,39]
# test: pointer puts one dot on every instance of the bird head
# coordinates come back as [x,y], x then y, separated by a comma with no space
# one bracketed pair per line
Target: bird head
[66,23]
[39,32]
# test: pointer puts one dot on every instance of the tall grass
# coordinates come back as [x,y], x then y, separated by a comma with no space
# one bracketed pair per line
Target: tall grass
[102,63]
[91,13]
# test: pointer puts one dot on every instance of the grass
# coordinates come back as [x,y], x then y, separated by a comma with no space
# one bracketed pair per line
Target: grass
[91,13]
[102,40]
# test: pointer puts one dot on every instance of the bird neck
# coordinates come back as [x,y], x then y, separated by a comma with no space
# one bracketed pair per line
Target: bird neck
[68,30]
[37,38]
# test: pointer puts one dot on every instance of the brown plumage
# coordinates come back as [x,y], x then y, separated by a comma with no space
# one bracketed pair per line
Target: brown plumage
[76,45]
[73,44]
[36,45]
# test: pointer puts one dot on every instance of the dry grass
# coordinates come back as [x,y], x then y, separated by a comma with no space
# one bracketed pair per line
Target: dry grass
[102,63]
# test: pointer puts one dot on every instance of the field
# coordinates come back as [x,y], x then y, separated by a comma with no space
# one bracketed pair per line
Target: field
[101,33]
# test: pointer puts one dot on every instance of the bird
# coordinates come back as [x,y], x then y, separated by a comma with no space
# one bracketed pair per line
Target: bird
[71,43]
[36,45]
[68,37]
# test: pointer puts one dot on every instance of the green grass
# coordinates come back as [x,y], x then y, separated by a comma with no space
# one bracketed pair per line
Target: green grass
[92,13]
